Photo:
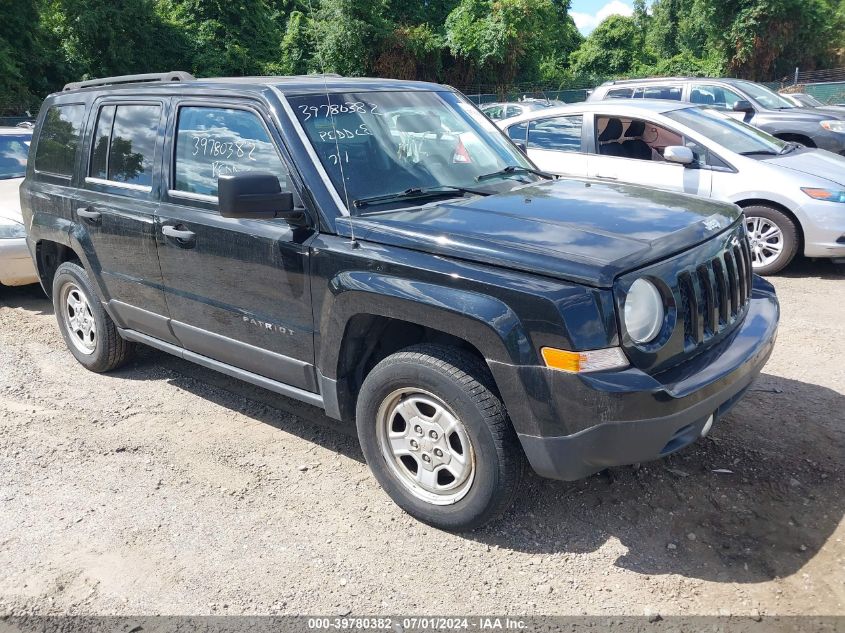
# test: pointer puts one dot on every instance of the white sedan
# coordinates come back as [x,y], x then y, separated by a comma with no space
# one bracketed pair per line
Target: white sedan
[793,197]
[16,267]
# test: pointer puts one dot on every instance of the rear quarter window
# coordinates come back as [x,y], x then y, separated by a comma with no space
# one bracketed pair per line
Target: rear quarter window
[59,139]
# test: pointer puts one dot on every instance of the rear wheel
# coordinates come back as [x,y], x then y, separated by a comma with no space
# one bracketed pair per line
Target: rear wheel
[773,238]
[89,332]
[437,437]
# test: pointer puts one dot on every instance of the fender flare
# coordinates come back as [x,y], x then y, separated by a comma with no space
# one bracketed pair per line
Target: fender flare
[483,321]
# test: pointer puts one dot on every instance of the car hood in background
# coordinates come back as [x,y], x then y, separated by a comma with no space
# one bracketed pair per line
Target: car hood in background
[10,201]
[818,163]
[583,231]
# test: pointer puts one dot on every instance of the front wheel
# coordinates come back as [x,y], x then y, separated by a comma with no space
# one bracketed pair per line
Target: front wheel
[437,437]
[773,238]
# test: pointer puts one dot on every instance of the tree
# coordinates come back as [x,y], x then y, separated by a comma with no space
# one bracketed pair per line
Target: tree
[614,48]
[224,37]
[103,37]
[503,40]
[346,35]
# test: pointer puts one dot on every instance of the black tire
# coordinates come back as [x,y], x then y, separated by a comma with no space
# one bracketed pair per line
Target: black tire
[788,229]
[465,386]
[109,350]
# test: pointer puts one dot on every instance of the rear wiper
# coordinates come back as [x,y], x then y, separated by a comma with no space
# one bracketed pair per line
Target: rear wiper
[415,193]
[511,170]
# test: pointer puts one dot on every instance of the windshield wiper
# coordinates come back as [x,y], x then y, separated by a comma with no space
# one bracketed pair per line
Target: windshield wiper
[760,152]
[511,170]
[415,193]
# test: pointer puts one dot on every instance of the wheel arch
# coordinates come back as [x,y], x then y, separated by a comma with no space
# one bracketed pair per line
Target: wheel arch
[371,316]
[750,202]
[796,137]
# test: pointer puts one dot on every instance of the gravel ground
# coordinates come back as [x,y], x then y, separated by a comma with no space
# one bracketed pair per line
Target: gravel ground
[165,488]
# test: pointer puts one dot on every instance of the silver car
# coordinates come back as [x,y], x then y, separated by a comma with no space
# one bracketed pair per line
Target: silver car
[793,197]
[16,268]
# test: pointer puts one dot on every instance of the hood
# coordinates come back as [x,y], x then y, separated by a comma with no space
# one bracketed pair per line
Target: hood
[801,114]
[817,163]
[584,231]
[10,201]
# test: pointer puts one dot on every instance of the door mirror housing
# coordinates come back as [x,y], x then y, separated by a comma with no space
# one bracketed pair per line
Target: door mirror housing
[522,148]
[743,105]
[254,196]
[679,154]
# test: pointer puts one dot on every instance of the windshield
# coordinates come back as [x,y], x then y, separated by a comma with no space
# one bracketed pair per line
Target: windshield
[382,143]
[13,153]
[765,97]
[728,132]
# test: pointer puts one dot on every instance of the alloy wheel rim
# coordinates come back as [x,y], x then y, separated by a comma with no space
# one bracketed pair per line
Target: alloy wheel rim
[426,446]
[78,318]
[765,239]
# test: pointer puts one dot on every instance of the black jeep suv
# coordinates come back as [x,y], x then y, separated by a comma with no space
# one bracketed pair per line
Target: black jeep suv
[380,250]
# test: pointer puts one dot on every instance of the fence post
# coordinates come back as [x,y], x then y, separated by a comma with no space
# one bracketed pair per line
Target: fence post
[796,76]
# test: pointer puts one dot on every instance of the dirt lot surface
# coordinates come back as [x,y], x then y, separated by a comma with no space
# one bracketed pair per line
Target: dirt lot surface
[165,488]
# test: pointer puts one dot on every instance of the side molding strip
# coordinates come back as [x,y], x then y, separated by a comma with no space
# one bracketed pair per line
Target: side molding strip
[314,399]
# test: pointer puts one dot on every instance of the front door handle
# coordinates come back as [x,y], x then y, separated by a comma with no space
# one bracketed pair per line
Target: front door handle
[183,236]
[89,213]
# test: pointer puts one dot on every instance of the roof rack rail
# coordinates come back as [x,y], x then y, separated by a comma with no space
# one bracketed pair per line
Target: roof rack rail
[177,75]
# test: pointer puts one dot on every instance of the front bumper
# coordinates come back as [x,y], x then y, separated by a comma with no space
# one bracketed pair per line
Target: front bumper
[647,417]
[823,225]
[16,266]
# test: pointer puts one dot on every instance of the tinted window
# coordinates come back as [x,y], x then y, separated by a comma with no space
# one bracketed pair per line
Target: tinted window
[560,133]
[59,139]
[672,93]
[214,141]
[714,96]
[13,152]
[102,134]
[619,93]
[133,142]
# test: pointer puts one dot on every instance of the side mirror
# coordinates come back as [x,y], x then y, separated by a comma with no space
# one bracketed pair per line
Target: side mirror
[679,154]
[522,148]
[254,196]
[743,106]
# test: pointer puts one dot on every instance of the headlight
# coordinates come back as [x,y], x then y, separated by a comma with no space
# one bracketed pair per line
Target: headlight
[643,311]
[830,195]
[834,126]
[10,229]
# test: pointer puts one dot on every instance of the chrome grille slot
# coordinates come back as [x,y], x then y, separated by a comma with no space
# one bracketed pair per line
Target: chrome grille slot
[708,300]
[715,294]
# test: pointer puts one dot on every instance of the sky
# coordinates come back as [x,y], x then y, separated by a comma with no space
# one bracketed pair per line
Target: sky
[588,14]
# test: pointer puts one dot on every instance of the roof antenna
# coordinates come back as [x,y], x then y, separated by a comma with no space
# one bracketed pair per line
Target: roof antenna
[353,242]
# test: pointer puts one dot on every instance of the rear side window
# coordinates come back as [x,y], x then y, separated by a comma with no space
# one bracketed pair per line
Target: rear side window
[124,143]
[59,139]
[215,141]
[620,93]
[14,149]
[672,93]
[562,134]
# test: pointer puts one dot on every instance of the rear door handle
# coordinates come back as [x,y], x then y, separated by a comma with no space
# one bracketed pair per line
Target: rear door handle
[89,213]
[183,236]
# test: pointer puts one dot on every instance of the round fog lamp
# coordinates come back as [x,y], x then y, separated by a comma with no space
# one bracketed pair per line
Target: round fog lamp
[643,311]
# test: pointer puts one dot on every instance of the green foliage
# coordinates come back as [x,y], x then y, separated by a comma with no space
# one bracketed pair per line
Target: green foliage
[505,39]
[614,48]
[346,33]
[489,43]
